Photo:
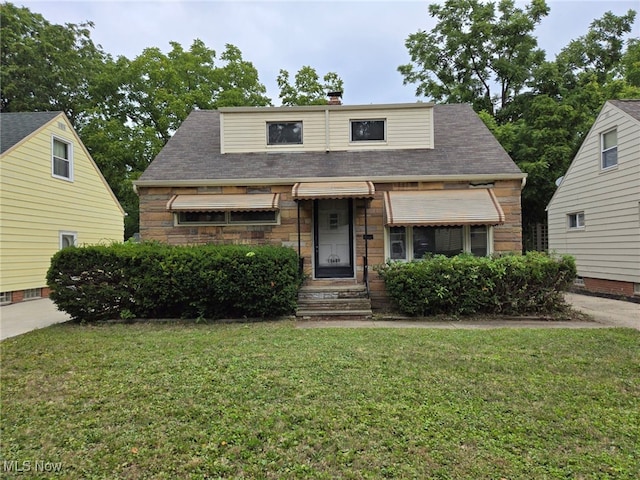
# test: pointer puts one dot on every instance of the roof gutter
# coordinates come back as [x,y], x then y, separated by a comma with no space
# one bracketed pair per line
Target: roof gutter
[218,182]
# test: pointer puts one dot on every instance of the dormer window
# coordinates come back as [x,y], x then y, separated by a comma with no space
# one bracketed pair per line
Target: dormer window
[368,130]
[284,133]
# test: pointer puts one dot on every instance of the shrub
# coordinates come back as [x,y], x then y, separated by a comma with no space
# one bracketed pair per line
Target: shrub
[465,285]
[152,280]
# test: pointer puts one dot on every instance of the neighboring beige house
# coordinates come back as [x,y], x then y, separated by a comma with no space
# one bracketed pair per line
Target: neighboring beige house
[52,195]
[347,186]
[594,214]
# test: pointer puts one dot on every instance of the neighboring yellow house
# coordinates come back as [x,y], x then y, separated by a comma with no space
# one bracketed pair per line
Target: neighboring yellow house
[52,195]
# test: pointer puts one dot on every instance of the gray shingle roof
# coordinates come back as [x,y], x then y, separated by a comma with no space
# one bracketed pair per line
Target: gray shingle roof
[632,107]
[463,146]
[16,126]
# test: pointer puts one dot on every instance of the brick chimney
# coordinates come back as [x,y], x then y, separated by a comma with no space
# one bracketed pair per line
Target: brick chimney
[334,98]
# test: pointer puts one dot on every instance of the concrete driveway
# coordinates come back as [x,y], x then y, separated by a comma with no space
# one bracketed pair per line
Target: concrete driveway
[23,317]
[19,318]
[615,313]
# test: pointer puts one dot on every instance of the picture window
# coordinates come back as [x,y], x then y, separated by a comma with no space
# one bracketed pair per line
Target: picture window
[368,130]
[262,217]
[284,133]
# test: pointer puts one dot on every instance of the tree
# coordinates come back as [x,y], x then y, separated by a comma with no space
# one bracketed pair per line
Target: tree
[46,66]
[307,89]
[475,54]
[142,102]
[566,95]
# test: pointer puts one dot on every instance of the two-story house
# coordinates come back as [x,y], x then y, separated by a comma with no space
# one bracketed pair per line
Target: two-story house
[347,186]
[594,214]
[52,195]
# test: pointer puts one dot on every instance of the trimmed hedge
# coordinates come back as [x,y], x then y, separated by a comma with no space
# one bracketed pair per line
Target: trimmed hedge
[153,280]
[466,285]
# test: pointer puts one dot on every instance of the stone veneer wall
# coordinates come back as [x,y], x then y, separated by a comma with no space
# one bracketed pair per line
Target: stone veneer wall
[156,223]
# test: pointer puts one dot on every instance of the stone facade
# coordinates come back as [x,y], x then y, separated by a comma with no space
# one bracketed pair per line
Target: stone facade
[157,223]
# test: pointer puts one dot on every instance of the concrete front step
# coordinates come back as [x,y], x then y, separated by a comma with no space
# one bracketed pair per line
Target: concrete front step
[334,304]
[345,302]
[334,314]
[346,291]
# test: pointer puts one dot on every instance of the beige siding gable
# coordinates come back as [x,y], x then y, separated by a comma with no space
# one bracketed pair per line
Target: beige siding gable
[327,129]
[36,207]
[609,244]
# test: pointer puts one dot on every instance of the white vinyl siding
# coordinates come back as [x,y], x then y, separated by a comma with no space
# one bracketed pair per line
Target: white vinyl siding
[609,245]
[406,127]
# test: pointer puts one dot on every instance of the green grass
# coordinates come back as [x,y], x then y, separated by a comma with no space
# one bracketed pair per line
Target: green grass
[271,401]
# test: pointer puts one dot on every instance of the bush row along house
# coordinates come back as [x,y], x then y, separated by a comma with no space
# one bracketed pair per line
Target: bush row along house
[594,214]
[52,195]
[347,186]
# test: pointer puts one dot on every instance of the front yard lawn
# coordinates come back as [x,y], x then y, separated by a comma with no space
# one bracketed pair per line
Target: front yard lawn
[271,401]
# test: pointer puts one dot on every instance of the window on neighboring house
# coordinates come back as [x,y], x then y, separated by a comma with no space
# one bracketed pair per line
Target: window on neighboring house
[284,133]
[5,297]
[576,220]
[62,163]
[367,130]
[31,293]
[408,243]
[609,144]
[263,217]
[68,239]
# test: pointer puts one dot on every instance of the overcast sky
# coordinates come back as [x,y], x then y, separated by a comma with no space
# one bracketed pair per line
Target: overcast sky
[362,41]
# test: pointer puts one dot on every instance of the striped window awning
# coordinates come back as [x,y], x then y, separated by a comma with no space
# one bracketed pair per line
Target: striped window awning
[319,190]
[443,207]
[218,203]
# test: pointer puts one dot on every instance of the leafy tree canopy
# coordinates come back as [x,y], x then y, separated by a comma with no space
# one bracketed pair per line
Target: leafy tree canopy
[307,88]
[540,110]
[44,66]
[479,53]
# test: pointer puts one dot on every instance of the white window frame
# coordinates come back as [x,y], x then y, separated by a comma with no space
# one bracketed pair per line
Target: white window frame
[5,297]
[69,145]
[32,293]
[351,122]
[63,234]
[603,150]
[579,221]
[408,246]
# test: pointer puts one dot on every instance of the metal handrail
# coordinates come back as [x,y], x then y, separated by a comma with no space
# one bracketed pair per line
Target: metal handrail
[365,274]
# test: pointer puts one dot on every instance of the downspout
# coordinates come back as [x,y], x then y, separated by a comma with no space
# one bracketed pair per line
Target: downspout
[327,144]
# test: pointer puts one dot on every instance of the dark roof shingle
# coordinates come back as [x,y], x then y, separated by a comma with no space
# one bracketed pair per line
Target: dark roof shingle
[463,146]
[631,107]
[16,126]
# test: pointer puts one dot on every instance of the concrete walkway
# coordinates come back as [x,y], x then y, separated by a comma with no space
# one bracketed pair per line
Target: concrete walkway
[603,312]
[23,317]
